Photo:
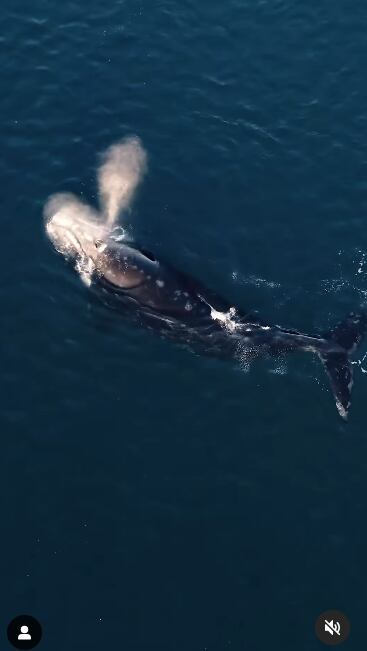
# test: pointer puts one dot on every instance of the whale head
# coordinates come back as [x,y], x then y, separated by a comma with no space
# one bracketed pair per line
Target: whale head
[73,227]
[84,239]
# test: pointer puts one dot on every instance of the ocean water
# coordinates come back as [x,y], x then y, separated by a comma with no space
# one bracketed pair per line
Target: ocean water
[152,499]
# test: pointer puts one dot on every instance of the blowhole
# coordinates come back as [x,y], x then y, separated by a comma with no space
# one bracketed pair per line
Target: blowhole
[148,255]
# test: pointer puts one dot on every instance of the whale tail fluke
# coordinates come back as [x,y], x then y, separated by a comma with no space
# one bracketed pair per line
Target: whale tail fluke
[347,335]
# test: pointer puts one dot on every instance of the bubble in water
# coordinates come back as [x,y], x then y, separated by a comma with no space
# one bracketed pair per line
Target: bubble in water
[361,263]
[246,354]
[333,285]
[280,368]
[254,280]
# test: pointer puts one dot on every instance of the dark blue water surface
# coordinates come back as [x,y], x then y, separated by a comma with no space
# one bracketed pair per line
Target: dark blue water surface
[152,499]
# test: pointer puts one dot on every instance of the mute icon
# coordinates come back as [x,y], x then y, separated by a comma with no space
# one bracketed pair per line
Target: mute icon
[332,627]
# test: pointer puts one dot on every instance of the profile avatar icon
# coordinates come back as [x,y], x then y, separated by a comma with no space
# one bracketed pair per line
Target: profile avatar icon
[24,632]
[24,635]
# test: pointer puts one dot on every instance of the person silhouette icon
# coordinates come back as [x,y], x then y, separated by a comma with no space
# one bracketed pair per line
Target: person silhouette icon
[24,635]
[24,632]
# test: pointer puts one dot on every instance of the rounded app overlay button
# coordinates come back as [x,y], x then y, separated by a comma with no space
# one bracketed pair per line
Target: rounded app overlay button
[332,627]
[24,632]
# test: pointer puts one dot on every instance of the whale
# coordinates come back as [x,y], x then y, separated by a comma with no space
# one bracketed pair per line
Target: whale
[129,278]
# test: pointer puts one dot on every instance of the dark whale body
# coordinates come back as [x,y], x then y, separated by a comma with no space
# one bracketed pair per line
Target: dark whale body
[131,280]
[161,297]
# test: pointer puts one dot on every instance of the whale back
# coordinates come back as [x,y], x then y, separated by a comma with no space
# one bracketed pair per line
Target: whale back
[152,283]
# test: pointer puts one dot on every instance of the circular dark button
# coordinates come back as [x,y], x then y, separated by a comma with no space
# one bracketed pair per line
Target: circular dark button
[24,632]
[332,627]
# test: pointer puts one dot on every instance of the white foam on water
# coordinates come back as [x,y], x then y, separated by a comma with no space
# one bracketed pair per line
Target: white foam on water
[359,363]
[362,262]
[336,285]
[227,319]
[254,280]
[85,267]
